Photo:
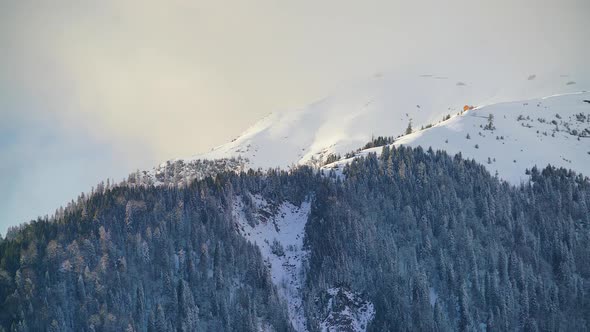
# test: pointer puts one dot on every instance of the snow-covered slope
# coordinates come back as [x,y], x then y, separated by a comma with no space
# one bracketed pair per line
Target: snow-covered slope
[553,130]
[278,231]
[383,105]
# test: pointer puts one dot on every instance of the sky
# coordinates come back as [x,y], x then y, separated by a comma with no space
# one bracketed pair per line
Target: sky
[91,90]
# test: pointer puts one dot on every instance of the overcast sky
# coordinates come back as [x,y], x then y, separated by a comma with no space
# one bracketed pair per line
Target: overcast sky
[96,89]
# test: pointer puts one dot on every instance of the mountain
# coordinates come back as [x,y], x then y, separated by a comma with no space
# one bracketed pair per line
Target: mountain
[376,209]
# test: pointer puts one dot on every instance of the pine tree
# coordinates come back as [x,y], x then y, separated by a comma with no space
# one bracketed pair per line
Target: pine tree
[409,129]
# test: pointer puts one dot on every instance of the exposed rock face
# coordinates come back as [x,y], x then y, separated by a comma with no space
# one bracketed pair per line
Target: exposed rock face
[347,311]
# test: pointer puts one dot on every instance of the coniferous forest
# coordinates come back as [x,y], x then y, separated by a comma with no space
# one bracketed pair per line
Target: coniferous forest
[434,241]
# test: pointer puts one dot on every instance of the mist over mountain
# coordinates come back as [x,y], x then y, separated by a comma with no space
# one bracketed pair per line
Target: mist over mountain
[413,200]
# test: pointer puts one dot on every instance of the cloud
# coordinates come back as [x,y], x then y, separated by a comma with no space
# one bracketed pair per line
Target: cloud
[43,167]
[182,76]
[144,81]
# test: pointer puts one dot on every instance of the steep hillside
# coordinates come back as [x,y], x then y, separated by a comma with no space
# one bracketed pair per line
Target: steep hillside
[138,260]
[438,244]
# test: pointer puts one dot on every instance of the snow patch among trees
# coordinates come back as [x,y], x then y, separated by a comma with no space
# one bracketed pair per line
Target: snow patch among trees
[278,231]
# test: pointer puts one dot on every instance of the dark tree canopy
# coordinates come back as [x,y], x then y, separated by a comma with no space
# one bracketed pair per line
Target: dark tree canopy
[434,242]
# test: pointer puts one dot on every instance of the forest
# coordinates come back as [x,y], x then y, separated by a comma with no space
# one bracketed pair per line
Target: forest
[434,241]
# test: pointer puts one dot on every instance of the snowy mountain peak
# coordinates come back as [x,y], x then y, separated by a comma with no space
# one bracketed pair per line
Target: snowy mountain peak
[384,105]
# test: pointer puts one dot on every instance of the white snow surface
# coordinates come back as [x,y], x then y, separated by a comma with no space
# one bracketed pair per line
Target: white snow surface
[284,223]
[383,106]
[553,130]
[352,315]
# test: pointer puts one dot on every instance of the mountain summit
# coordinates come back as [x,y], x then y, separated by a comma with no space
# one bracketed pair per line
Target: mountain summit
[389,104]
